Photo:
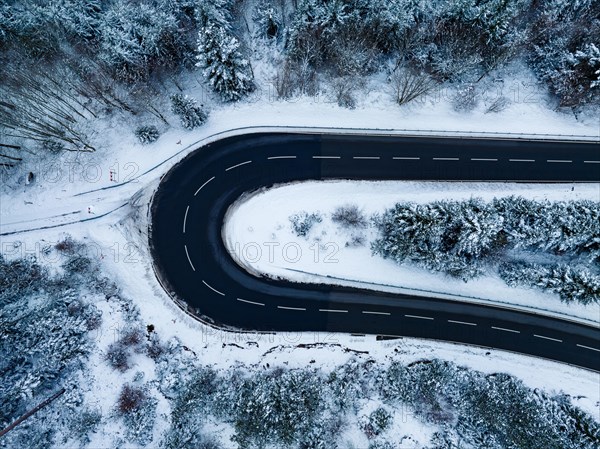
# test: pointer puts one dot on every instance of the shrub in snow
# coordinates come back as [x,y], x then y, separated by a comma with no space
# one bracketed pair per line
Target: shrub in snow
[85,423]
[376,423]
[498,105]
[349,216]
[147,134]
[190,114]
[227,71]
[117,356]
[303,222]
[408,84]
[132,337]
[465,99]
[138,410]
[130,399]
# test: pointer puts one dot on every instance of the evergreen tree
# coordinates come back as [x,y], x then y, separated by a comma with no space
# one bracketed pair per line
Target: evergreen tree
[227,71]
[268,20]
[190,114]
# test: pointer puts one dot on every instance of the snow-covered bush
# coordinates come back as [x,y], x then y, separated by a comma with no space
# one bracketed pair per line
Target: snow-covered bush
[349,216]
[376,423]
[138,410]
[303,222]
[190,114]
[408,84]
[498,105]
[571,284]
[465,99]
[117,356]
[147,134]
[227,71]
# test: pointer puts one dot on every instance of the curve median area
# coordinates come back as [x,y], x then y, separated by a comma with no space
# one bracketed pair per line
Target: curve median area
[194,266]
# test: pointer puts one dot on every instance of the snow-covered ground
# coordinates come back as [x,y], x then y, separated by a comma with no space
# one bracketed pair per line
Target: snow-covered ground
[59,177]
[265,243]
[115,231]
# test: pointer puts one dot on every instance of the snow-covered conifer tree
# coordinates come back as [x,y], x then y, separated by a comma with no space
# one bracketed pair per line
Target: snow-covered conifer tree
[228,72]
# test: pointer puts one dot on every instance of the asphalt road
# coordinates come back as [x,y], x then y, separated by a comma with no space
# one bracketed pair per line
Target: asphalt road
[194,266]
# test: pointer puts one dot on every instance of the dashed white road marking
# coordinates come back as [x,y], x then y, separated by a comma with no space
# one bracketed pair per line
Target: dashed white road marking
[326,157]
[505,329]
[482,159]
[238,165]
[591,162]
[589,347]
[559,160]
[200,188]
[212,288]
[188,258]
[367,157]
[370,312]
[251,302]
[185,217]
[281,157]
[462,322]
[521,160]
[446,159]
[291,308]
[406,158]
[419,317]
[333,310]
[547,338]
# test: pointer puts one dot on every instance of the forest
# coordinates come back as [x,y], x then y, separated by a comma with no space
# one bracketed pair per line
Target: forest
[67,63]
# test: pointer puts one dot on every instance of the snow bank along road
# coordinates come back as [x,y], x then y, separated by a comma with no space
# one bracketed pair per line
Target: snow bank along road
[193,264]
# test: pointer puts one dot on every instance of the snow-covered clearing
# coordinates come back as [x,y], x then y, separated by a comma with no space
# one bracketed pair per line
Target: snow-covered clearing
[265,243]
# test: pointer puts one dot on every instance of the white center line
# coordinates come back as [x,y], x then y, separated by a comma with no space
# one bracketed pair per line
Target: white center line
[291,308]
[370,312]
[559,160]
[250,302]
[366,157]
[505,329]
[333,310]
[188,257]
[185,217]
[213,289]
[589,347]
[406,158]
[326,157]
[237,165]
[591,162]
[521,160]
[462,322]
[203,185]
[446,159]
[479,159]
[547,338]
[419,317]
[281,157]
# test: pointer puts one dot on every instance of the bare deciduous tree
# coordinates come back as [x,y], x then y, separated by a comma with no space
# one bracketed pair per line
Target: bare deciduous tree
[409,84]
